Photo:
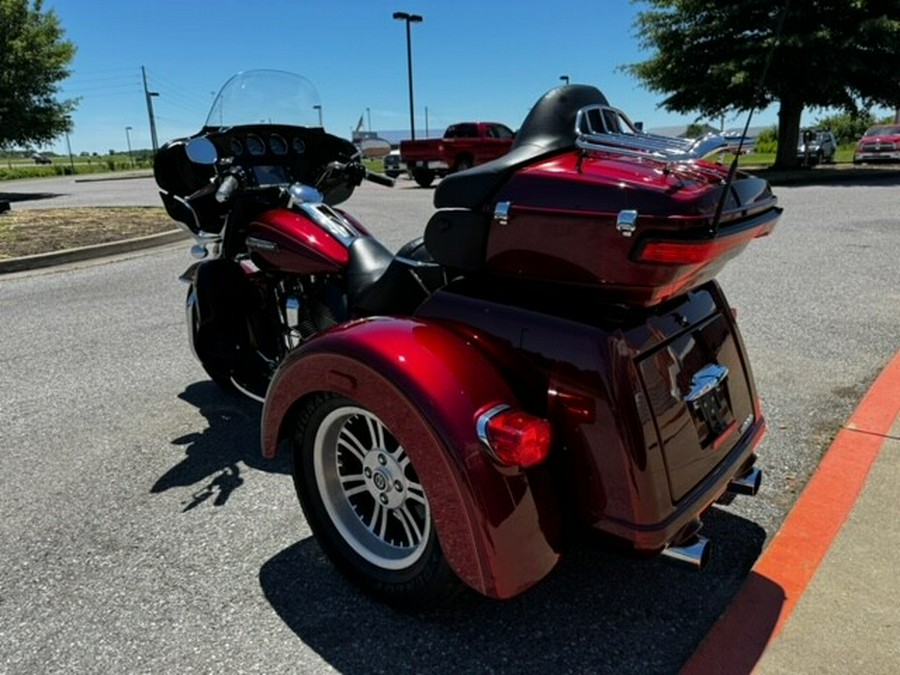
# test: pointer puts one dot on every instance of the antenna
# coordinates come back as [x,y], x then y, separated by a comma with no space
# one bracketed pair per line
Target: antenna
[733,168]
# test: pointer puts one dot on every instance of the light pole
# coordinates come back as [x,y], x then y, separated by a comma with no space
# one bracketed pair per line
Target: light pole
[564,78]
[369,117]
[409,18]
[319,108]
[128,140]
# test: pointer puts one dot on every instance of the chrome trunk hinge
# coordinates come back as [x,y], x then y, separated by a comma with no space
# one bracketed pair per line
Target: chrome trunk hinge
[626,222]
[501,212]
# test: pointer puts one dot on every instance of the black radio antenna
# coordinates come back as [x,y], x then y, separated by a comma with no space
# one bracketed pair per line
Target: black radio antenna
[732,170]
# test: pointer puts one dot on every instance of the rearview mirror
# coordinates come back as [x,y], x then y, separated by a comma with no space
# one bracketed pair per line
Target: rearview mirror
[201,151]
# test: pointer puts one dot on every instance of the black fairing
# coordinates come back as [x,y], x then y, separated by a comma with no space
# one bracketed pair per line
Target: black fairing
[548,129]
[175,173]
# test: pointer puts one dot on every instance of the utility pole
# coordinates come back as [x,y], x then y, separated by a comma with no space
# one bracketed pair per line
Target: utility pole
[149,96]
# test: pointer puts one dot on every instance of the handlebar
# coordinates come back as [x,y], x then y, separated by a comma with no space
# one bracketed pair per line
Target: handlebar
[229,184]
[379,179]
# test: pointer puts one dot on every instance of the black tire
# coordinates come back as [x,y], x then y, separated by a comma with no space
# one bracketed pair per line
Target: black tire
[219,356]
[221,377]
[352,478]
[219,374]
[424,177]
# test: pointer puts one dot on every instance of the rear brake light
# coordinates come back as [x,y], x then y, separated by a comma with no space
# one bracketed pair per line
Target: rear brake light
[513,437]
[694,252]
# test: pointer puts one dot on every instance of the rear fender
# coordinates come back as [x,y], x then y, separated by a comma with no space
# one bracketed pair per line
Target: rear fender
[498,527]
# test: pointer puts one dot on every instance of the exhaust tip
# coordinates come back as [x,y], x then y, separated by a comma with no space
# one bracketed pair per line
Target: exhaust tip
[694,553]
[748,484]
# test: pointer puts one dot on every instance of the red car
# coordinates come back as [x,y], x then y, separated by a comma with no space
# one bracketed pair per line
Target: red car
[880,143]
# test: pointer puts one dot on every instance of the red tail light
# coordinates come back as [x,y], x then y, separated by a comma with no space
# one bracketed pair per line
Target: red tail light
[694,252]
[513,437]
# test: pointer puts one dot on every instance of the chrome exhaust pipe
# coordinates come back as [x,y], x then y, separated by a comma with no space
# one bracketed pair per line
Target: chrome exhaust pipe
[693,553]
[748,484]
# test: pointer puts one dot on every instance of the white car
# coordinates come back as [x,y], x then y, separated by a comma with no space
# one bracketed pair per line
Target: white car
[393,166]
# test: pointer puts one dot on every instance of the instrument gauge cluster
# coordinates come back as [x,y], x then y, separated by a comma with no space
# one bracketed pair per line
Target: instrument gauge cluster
[278,145]
[255,145]
[236,147]
[298,145]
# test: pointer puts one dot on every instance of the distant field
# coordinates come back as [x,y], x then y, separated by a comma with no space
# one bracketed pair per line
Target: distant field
[12,168]
[21,167]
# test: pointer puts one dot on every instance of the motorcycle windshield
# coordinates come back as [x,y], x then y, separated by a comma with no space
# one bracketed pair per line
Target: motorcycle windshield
[266,97]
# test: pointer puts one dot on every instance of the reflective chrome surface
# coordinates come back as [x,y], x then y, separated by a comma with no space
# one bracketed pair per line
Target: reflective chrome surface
[626,222]
[201,151]
[481,427]
[694,554]
[748,484]
[501,212]
[608,129]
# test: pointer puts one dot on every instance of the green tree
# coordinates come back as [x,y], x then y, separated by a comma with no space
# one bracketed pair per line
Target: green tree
[710,57]
[34,58]
[697,130]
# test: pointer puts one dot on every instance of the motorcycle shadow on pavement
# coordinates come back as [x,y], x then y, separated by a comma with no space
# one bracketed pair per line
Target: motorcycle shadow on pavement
[597,612]
[213,457]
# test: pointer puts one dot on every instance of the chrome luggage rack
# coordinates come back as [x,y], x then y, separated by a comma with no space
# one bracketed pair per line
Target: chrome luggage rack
[606,129]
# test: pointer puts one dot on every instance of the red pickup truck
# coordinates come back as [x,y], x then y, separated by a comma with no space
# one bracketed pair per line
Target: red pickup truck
[463,146]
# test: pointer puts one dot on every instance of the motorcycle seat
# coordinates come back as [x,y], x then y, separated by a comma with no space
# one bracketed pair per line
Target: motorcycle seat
[379,282]
[548,129]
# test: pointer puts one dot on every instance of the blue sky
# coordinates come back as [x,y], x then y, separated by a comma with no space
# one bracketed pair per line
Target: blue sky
[471,60]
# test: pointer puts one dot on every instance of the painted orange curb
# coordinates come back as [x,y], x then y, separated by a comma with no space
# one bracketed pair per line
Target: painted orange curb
[760,609]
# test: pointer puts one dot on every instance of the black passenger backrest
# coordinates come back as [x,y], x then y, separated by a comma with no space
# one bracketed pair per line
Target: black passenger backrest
[550,125]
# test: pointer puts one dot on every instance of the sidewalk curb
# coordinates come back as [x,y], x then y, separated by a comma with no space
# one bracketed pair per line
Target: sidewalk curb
[70,255]
[763,605]
[99,177]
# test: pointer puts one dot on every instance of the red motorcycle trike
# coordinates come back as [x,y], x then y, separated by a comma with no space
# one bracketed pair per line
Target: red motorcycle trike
[553,353]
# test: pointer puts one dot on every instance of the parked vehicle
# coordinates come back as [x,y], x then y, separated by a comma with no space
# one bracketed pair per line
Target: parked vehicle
[816,146]
[554,354]
[880,143]
[463,146]
[41,159]
[393,165]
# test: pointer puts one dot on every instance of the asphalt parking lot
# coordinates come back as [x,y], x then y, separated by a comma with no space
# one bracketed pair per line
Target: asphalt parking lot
[145,533]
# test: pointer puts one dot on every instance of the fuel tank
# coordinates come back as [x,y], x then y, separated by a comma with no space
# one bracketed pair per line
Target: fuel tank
[313,240]
[653,410]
